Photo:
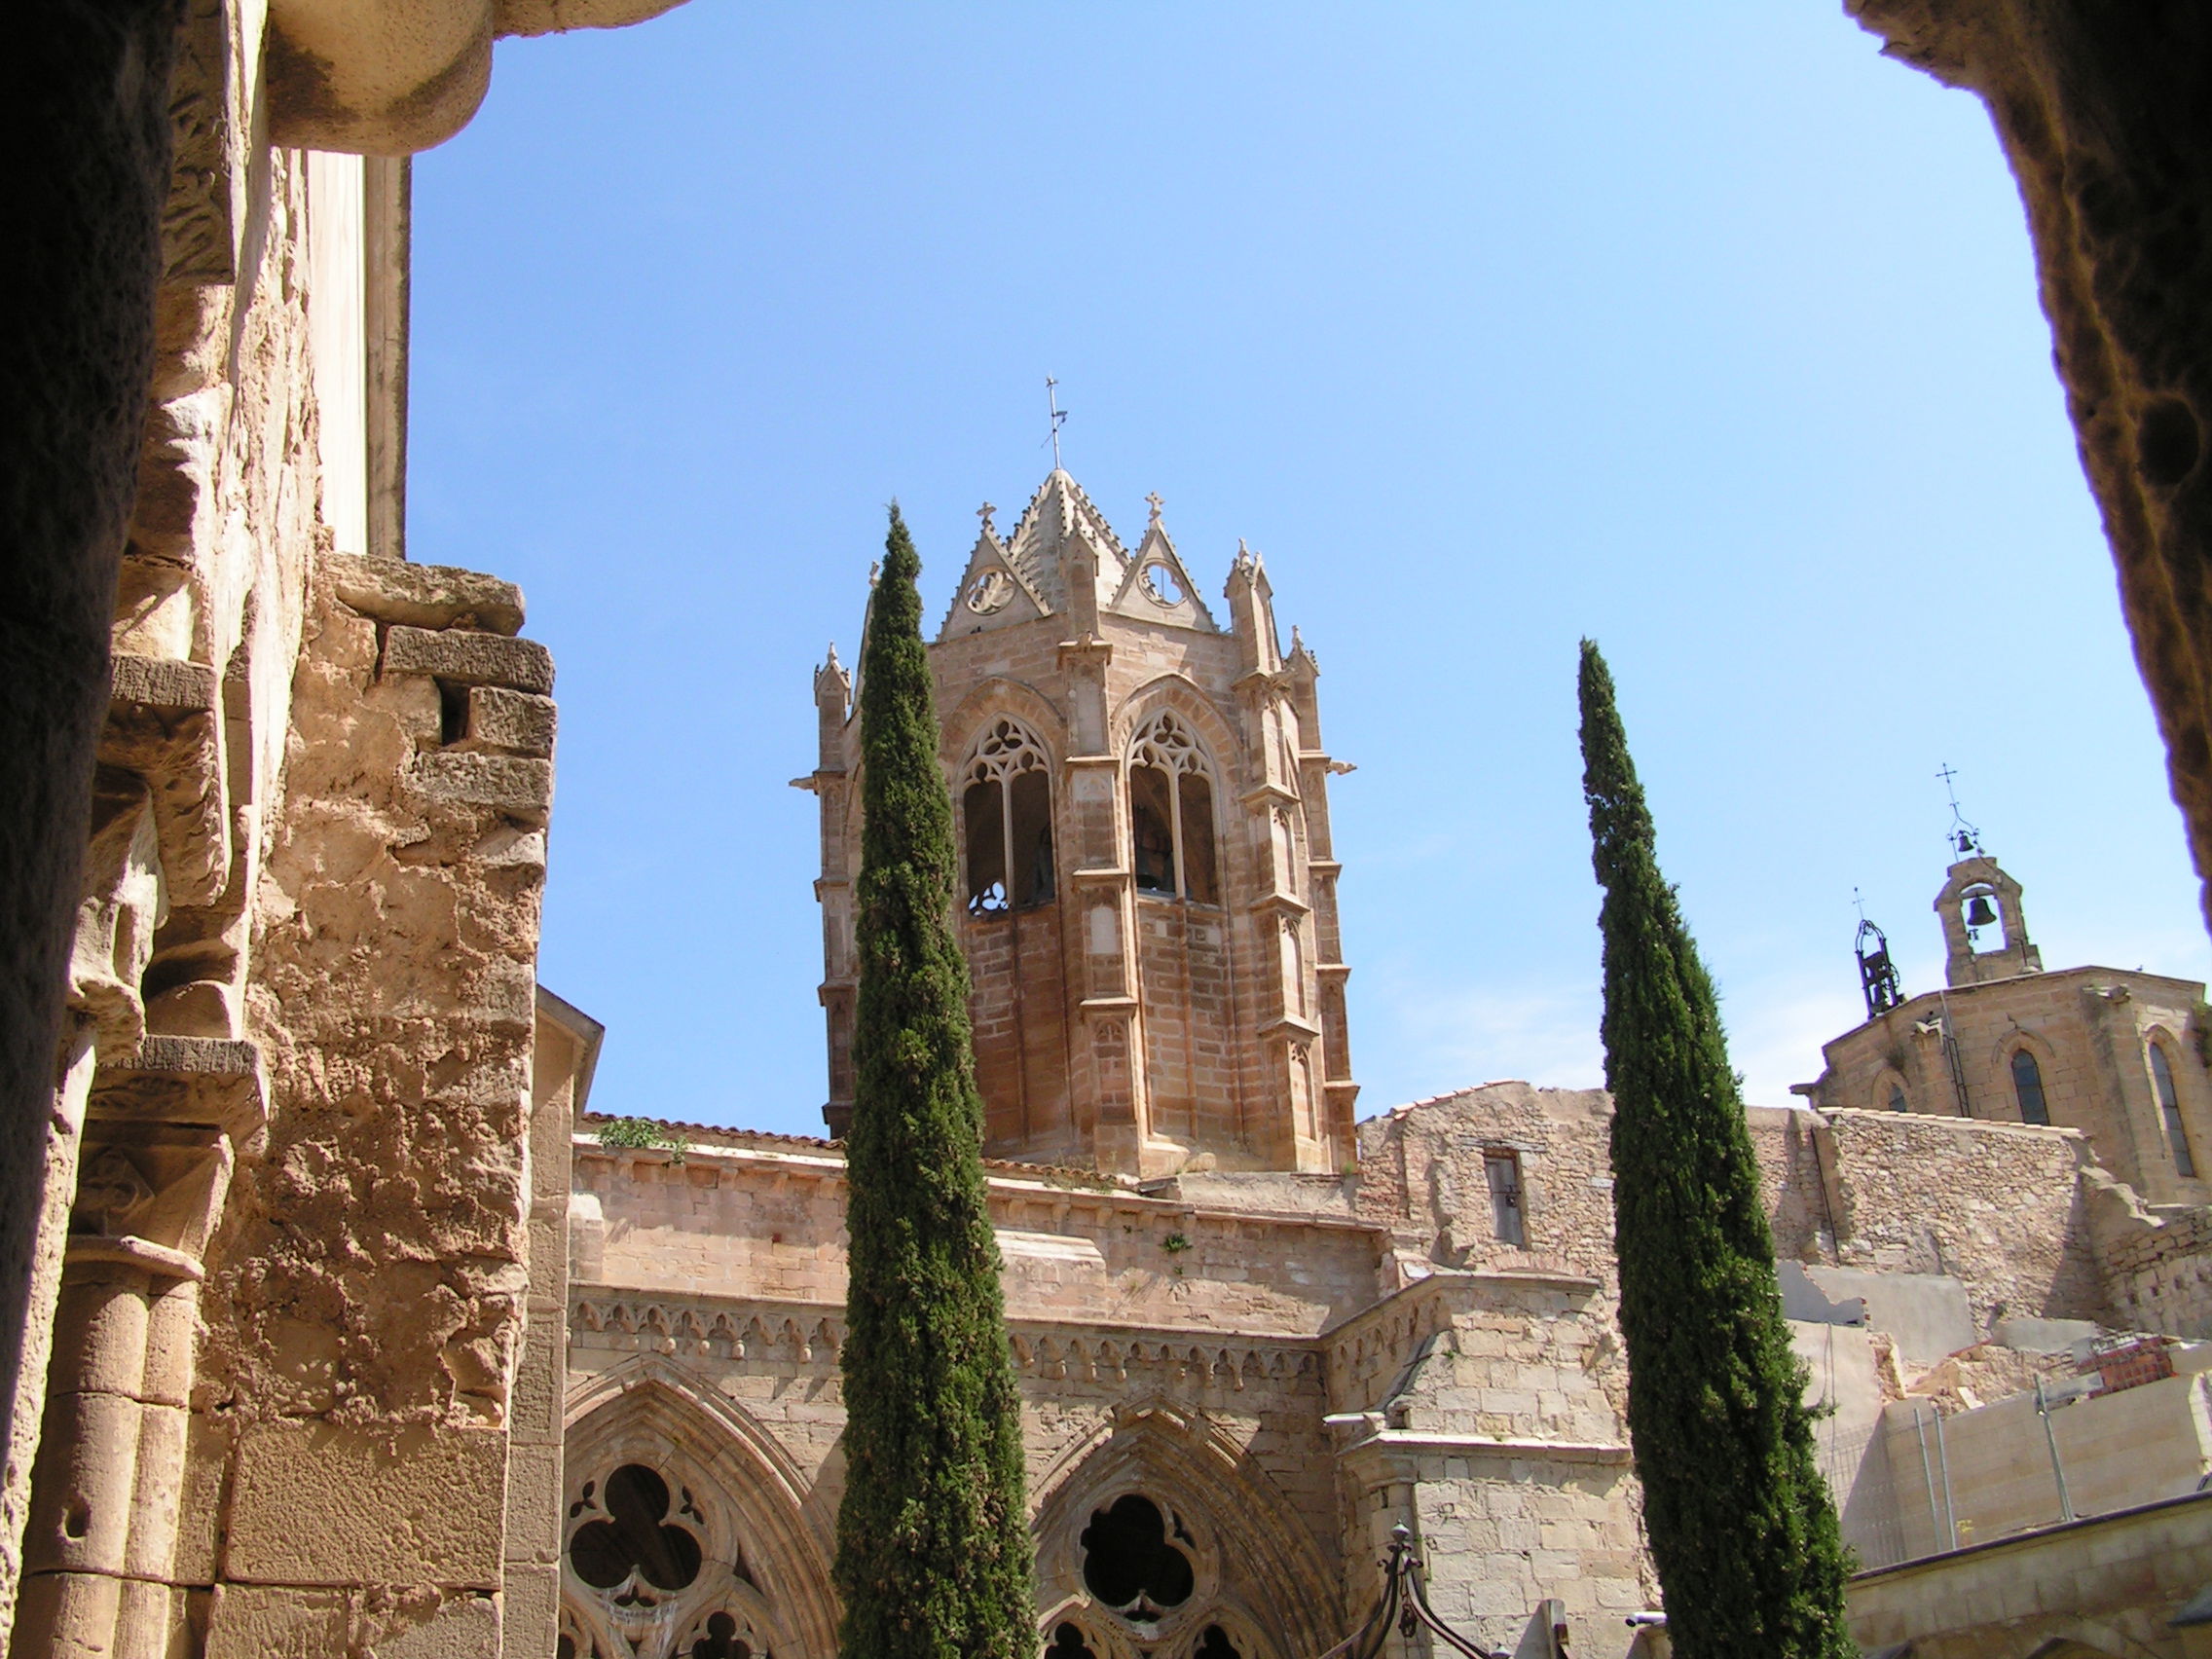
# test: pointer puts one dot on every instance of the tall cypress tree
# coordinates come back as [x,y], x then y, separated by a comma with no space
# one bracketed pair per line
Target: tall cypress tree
[934,1556]
[1742,1528]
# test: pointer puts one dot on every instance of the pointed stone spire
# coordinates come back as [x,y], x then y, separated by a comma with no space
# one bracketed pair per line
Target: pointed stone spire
[1251,611]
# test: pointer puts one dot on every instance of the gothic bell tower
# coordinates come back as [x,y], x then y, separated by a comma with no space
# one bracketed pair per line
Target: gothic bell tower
[1148,892]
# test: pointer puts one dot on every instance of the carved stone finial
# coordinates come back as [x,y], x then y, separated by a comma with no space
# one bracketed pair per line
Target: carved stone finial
[1153,501]
[984,513]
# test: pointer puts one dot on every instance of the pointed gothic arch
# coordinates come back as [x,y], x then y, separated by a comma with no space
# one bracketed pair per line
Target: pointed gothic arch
[1254,1566]
[1004,793]
[762,1575]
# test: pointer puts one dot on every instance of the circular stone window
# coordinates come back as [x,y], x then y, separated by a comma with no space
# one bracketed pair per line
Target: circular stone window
[1161,584]
[988,592]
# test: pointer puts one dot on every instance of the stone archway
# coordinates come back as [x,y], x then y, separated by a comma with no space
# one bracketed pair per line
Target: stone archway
[683,1530]
[1156,1531]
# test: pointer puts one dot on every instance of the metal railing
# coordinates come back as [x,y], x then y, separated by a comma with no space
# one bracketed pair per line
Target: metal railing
[1402,1606]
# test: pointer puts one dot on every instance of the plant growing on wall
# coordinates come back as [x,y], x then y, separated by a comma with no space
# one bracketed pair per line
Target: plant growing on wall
[934,1555]
[1742,1528]
[643,1134]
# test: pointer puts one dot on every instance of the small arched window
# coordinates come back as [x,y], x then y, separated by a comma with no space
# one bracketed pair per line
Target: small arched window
[2027,1084]
[1171,840]
[1006,807]
[1896,1098]
[2170,1109]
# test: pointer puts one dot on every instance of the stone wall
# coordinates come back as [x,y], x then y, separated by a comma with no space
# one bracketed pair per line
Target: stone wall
[2158,1265]
[2108,1585]
[1993,1205]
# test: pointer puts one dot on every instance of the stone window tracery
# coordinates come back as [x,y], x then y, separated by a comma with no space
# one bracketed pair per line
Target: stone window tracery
[2027,1087]
[1006,803]
[1215,1644]
[1068,1643]
[1172,828]
[2169,1111]
[656,1570]
[633,1546]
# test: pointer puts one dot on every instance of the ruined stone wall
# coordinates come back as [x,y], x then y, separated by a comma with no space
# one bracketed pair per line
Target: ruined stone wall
[2158,1265]
[1423,1173]
[1993,1205]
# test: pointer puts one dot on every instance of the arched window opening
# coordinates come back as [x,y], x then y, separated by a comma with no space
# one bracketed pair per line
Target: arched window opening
[1172,828]
[1007,808]
[1215,1645]
[1132,1562]
[1068,1643]
[2027,1084]
[1983,912]
[2170,1109]
[1898,1101]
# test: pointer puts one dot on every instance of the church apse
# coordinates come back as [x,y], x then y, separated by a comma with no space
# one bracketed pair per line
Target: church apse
[1147,891]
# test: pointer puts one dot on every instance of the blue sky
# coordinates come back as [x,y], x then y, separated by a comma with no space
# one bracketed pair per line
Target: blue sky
[1702,330]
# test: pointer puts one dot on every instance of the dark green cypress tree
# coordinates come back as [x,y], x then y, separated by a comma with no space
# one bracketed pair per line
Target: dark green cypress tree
[934,1558]
[1742,1528]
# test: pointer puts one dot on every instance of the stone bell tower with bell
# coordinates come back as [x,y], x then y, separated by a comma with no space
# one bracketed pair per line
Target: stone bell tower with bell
[1148,891]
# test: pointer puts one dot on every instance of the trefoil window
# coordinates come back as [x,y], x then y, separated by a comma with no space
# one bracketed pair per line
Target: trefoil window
[1006,807]
[1171,836]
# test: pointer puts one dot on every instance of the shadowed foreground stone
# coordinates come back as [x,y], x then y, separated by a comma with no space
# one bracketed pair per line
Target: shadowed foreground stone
[2101,110]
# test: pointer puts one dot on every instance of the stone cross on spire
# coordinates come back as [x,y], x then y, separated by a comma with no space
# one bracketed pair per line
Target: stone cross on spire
[1153,501]
[984,513]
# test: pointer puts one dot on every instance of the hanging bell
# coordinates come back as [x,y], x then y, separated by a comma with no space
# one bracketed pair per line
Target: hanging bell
[1978,911]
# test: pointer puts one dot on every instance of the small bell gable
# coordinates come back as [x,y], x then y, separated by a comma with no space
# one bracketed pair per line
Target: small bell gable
[1985,931]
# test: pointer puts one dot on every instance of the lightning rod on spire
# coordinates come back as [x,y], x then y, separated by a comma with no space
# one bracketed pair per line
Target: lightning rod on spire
[1058,415]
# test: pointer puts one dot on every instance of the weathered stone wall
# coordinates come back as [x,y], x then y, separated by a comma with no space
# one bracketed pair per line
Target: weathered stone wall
[367,1294]
[1423,1174]
[2158,1266]
[1993,1205]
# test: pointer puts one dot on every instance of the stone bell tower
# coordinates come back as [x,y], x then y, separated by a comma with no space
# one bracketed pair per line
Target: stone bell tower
[1985,933]
[1147,893]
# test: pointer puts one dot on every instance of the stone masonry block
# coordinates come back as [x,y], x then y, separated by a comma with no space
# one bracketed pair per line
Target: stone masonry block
[426,596]
[507,782]
[160,682]
[514,720]
[464,1627]
[319,1504]
[249,1622]
[470,658]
